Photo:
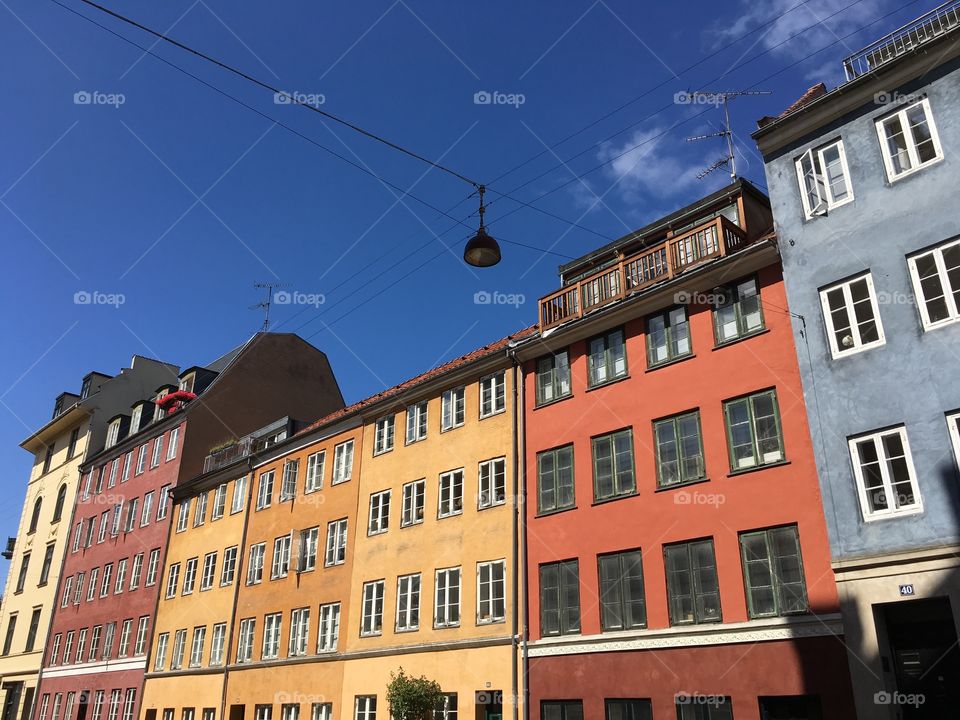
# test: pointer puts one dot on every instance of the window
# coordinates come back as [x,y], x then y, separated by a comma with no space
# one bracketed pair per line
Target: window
[114,466]
[613,465]
[125,631]
[342,462]
[147,512]
[265,490]
[245,640]
[318,711]
[753,430]
[452,408]
[35,515]
[117,520]
[46,565]
[413,499]
[239,495]
[315,469]
[561,710]
[607,358]
[886,479]
[200,514]
[416,422]
[113,433]
[824,179]
[157,451]
[622,602]
[720,708]
[737,312]
[93,585]
[57,700]
[217,643]
[32,630]
[67,647]
[141,459]
[451,493]
[447,599]
[555,479]
[196,647]
[773,572]
[153,567]
[668,337]
[553,377]
[271,636]
[679,450]
[48,459]
[219,502]
[366,707]
[290,711]
[78,593]
[183,514]
[307,555]
[22,576]
[329,633]
[408,602]
[692,587]
[447,708]
[55,650]
[189,575]
[114,705]
[173,577]
[491,591]
[493,397]
[209,571]
[172,447]
[179,641]
[493,483]
[8,638]
[909,140]
[121,576]
[632,709]
[58,507]
[104,521]
[560,598]
[336,551]
[379,518]
[136,571]
[299,631]
[255,564]
[132,514]
[288,488]
[129,700]
[163,505]
[127,462]
[372,616]
[45,703]
[851,315]
[109,634]
[953,426]
[936,282]
[383,435]
[187,714]
[280,566]
[97,705]
[261,712]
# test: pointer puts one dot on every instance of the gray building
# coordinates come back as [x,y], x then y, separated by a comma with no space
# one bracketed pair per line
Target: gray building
[863,182]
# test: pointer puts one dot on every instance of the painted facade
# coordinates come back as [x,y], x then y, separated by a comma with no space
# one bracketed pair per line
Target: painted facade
[861,182]
[677,554]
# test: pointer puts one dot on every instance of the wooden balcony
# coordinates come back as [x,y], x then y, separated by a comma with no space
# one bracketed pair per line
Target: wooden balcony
[637,272]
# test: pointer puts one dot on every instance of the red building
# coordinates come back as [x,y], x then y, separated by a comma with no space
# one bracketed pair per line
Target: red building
[100,634]
[677,555]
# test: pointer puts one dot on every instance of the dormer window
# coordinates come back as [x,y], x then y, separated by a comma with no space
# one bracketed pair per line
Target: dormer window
[158,411]
[58,407]
[85,388]
[186,383]
[135,419]
[113,433]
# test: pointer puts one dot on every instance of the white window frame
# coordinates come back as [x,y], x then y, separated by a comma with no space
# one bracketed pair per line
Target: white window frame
[915,165]
[140,644]
[446,501]
[444,601]
[378,520]
[280,563]
[453,408]
[265,490]
[209,571]
[172,445]
[328,634]
[486,476]
[189,576]
[217,644]
[196,646]
[316,465]
[825,201]
[183,514]
[373,594]
[307,557]
[490,617]
[408,595]
[157,451]
[418,416]
[248,627]
[953,426]
[288,482]
[413,502]
[365,707]
[228,570]
[153,566]
[493,387]
[953,309]
[336,542]
[891,511]
[858,345]
[342,462]
[160,660]
[136,571]
[272,629]
[239,498]
[113,434]
[384,434]
[219,502]
[297,643]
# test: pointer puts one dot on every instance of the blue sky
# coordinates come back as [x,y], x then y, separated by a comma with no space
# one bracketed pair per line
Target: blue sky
[171,195]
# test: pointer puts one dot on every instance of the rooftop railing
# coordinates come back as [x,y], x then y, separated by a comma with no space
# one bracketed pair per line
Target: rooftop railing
[637,272]
[925,28]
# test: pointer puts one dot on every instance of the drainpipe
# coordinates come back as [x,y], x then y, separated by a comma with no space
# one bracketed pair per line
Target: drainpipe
[517,537]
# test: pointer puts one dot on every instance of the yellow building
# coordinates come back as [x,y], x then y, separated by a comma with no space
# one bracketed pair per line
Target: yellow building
[77,429]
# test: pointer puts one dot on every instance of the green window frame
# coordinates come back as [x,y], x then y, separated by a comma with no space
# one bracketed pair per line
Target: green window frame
[678,446]
[560,598]
[613,465]
[553,377]
[555,479]
[738,313]
[668,336]
[693,590]
[754,432]
[773,572]
[606,358]
[622,596]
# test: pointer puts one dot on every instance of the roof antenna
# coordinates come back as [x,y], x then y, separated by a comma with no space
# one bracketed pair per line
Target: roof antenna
[721,98]
[265,305]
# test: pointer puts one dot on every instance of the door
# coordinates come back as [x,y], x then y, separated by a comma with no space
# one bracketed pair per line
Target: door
[489,705]
[11,699]
[925,658]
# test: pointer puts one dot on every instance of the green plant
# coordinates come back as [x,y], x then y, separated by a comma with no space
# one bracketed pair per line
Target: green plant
[412,698]
[222,446]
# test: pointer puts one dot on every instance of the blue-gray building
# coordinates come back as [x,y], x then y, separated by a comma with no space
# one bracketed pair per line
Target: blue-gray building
[864,182]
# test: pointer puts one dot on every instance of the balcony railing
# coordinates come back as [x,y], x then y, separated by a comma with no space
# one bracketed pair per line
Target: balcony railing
[638,272]
[925,28]
[230,454]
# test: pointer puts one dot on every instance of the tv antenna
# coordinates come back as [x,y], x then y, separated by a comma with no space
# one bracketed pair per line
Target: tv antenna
[265,305]
[722,97]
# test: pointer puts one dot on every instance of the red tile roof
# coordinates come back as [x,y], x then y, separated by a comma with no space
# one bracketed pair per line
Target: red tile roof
[815,92]
[479,353]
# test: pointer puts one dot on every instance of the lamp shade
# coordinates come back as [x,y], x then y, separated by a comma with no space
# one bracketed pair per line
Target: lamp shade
[481,250]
